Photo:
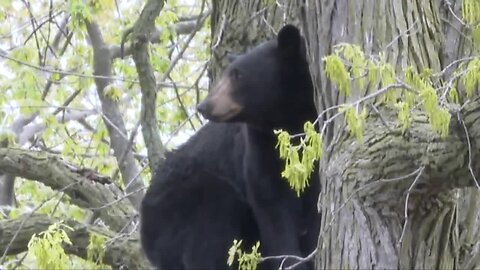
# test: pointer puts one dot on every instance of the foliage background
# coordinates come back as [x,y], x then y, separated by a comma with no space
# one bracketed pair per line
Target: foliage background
[51,103]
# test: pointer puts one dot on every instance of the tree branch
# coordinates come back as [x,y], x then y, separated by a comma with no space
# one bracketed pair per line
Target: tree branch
[30,130]
[447,161]
[113,120]
[123,252]
[7,181]
[141,34]
[85,189]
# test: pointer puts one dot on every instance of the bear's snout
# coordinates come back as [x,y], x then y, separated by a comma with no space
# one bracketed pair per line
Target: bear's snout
[202,107]
[219,106]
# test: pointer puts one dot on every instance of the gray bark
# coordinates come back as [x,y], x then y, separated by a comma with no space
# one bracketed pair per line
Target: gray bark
[141,34]
[122,150]
[85,188]
[367,186]
[240,25]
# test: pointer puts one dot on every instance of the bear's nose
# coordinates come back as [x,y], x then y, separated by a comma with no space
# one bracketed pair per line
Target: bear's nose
[202,107]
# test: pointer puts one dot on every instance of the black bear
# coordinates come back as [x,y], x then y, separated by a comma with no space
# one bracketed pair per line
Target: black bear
[225,183]
[270,88]
[196,204]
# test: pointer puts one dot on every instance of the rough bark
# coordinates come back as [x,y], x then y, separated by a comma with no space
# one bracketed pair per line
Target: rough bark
[123,253]
[240,25]
[86,189]
[364,197]
[393,200]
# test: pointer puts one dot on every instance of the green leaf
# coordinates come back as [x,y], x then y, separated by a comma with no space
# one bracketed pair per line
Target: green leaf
[439,117]
[80,13]
[246,261]
[355,121]
[46,247]
[354,54]
[338,74]
[453,96]
[404,114]
[96,247]
[298,168]
[472,76]
[112,92]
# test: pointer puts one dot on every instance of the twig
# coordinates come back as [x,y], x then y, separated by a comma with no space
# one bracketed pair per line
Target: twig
[402,177]
[449,5]
[126,150]
[406,204]
[469,150]
[369,96]
[67,73]
[177,129]
[182,106]
[381,117]
[187,42]
[401,34]
[349,198]
[220,33]
[117,200]
[303,260]
[455,62]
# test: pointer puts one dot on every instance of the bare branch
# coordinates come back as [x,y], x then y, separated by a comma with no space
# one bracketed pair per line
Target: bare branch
[81,75]
[183,27]
[30,130]
[141,34]
[113,120]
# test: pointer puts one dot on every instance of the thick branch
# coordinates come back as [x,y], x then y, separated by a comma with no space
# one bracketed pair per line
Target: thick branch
[388,153]
[123,251]
[80,186]
[400,191]
[30,130]
[113,120]
[142,31]
[24,130]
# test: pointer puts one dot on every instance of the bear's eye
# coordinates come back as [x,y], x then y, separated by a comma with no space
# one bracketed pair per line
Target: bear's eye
[236,74]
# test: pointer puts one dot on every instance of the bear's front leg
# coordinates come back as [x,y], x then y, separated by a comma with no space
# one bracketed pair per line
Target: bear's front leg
[276,208]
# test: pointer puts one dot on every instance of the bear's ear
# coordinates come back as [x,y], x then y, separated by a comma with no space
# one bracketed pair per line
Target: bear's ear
[232,57]
[289,40]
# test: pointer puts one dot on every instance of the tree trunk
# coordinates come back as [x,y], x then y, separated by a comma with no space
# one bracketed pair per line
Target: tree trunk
[240,25]
[391,201]
[394,199]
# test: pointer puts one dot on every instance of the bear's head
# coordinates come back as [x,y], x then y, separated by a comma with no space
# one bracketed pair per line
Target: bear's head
[270,86]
